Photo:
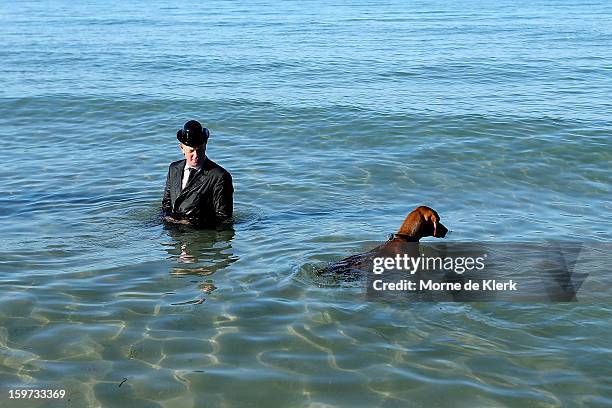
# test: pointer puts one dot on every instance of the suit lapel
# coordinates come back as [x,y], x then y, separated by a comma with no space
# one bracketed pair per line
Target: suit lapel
[177,178]
[195,180]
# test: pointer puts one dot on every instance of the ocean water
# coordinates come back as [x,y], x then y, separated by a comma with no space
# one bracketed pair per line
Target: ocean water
[335,120]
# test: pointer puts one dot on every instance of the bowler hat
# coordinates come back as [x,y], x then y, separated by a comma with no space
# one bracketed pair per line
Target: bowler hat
[192,134]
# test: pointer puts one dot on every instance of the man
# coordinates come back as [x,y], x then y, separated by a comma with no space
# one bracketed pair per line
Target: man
[198,191]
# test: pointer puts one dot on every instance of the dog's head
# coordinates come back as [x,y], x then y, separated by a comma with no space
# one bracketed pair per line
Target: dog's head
[423,222]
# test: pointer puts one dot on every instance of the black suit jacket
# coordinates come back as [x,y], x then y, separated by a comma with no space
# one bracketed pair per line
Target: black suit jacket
[206,200]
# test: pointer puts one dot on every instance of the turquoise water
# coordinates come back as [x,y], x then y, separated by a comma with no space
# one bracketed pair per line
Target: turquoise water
[335,121]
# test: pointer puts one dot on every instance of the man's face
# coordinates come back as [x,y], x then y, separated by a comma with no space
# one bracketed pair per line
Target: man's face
[193,155]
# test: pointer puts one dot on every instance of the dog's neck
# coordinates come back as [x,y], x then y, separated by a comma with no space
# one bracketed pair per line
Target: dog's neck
[404,237]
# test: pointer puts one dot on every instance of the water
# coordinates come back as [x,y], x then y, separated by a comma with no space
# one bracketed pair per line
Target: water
[335,121]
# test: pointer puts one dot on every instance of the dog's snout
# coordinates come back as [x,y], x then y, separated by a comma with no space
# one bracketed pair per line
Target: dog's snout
[441,230]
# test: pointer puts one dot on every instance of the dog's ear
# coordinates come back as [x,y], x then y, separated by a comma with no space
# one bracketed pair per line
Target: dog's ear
[439,230]
[423,222]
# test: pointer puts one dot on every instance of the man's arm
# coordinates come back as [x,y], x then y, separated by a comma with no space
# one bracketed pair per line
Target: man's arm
[166,201]
[167,205]
[223,198]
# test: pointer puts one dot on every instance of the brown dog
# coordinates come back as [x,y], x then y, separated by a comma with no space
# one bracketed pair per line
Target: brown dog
[421,222]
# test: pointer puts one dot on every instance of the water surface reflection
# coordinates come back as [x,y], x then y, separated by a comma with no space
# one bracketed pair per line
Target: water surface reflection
[199,254]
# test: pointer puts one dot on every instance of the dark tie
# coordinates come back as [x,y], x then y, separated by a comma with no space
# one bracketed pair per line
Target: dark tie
[190,175]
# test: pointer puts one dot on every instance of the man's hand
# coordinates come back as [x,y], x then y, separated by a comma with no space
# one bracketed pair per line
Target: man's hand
[173,220]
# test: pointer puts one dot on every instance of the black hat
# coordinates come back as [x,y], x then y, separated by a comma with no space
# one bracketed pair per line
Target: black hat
[192,134]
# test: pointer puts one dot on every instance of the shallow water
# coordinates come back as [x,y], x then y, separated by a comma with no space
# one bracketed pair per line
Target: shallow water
[335,121]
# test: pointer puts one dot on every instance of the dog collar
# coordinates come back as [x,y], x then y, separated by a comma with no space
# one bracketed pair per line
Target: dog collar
[404,237]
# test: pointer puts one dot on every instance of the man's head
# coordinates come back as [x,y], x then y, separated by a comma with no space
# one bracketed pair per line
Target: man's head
[193,138]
